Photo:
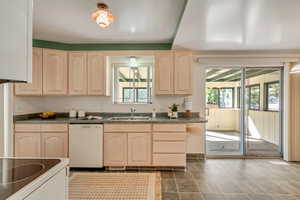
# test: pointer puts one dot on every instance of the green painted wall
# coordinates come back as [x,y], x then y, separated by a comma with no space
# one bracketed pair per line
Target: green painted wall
[103,47]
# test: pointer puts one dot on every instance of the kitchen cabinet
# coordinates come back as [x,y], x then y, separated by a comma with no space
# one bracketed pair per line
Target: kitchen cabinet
[169,145]
[77,73]
[27,144]
[164,73]
[36,86]
[182,73]
[96,74]
[16,40]
[139,149]
[115,149]
[41,140]
[55,72]
[55,145]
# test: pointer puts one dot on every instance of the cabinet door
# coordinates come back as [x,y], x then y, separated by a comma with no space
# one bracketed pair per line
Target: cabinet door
[96,74]
[27,144]
[55,145]
[164,73]
[139,149]
[115,149]
[16,40]
[77,73]
[183,73]
[36,87]
[55,72]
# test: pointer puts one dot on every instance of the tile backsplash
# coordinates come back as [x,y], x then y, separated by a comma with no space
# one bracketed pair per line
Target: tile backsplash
[25,105]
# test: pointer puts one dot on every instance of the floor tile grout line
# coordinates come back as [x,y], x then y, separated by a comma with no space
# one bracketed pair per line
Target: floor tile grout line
[177,188]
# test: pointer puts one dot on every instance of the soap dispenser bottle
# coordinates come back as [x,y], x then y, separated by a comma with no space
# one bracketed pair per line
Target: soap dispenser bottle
[153,113]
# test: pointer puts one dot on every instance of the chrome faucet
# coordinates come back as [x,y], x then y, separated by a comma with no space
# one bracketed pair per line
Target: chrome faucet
[132,111]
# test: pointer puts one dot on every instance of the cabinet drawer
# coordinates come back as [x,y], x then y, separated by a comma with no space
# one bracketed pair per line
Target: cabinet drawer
[168,147]
[195,128]
[175,136]
[169,160]
[127,127]
[169,127]
[54,127]
[27,127]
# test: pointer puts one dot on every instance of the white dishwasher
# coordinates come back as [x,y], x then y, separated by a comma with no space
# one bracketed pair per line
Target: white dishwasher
[86,145]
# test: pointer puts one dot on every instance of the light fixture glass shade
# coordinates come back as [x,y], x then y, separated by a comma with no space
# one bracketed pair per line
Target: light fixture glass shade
[103,16]
[133,62]
[296,68]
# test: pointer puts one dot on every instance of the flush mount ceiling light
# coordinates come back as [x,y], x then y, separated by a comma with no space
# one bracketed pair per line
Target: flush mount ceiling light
[133,62]
[103,16]
[296,68]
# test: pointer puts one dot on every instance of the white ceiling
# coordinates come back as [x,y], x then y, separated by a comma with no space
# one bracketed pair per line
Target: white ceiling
[136,21]
[240,25]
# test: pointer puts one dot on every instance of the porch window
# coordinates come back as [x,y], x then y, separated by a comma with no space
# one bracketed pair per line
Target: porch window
[272,98]
[253,92]
[132,85]
[222,97]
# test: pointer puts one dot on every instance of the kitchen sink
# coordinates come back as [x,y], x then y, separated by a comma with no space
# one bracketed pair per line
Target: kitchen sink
[130,118]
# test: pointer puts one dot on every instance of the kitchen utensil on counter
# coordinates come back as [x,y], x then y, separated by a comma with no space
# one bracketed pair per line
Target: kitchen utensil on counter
[73,113]
[81,114]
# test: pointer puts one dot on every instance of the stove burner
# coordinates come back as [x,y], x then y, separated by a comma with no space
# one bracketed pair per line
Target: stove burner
[20,173]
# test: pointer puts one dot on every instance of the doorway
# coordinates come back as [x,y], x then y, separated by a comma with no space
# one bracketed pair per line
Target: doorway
[243,108]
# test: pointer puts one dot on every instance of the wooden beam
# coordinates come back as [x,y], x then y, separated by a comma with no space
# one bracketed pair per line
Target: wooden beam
[122,77]
[211,72]
[221,76]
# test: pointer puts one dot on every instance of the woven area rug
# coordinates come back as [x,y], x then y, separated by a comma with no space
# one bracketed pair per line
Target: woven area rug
[115,186]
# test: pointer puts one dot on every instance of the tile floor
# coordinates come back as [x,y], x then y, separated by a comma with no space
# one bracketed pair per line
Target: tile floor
[220,143]
[236,179]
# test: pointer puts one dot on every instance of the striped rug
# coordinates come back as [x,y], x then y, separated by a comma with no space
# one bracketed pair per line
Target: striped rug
[115,186]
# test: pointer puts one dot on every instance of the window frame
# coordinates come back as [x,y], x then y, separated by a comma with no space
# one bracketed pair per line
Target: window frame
[219,96]
[115,67]
[233,97]
[249,96]
[266,95]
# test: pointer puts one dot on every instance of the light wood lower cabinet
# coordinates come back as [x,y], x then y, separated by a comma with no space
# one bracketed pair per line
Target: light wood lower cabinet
[41,140]
[27,144]
[169,145]
[115,149]
[55,145]
[139,149]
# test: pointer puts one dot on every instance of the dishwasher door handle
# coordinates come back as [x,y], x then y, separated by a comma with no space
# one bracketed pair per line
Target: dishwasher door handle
[85,126]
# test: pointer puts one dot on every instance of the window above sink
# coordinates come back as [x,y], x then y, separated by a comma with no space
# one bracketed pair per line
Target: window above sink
[132,79]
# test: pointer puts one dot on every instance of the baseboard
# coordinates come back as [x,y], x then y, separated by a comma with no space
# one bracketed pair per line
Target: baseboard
[195,156]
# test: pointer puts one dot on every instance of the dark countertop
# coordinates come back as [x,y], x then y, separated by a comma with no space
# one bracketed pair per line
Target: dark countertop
[161,118]
[17,173]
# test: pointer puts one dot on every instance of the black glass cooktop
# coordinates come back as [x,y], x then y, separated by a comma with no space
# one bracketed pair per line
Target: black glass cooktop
[16,173]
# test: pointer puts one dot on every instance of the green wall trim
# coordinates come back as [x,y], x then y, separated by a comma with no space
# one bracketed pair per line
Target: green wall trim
[103,47]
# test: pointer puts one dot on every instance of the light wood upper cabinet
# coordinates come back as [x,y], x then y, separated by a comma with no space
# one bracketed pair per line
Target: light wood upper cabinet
[77,73]
[27,144]
[139,149]
[164,73]
[182,73]
[96,74]
[36,87]
[115,149]
[55,145]
[55,72]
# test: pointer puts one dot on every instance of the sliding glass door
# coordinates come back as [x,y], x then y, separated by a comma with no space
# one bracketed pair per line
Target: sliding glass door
[223,133]
[263,111]
[243,108]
